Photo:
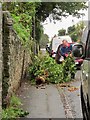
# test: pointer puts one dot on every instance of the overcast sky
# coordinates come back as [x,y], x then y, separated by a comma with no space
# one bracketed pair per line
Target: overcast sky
[51,29]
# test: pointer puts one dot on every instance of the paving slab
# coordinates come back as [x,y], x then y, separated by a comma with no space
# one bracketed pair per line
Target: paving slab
[41,102]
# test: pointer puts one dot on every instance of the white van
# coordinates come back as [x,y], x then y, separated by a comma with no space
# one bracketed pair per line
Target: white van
[56,41]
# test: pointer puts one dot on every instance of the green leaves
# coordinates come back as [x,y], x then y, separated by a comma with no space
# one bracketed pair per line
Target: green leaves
[15,101]
[13,111]
[57,73]
[57,9]
[21,27]
[61,32]
[76,31]
[42,10]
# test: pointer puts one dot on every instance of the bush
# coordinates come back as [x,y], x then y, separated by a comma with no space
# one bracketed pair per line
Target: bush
[13,111]
[47,67]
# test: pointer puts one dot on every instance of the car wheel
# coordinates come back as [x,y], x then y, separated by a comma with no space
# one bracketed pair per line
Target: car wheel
[84,108]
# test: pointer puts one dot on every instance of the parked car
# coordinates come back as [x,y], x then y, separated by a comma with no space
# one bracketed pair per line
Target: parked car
[83,51]
[56,41]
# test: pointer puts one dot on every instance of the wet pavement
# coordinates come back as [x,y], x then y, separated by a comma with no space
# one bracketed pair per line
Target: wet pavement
[48,101]
[42,102]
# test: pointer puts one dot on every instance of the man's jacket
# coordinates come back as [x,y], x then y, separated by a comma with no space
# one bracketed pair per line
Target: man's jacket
[65,50]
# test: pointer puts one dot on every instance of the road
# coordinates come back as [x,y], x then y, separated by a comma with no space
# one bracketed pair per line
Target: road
[74,100]
[73,97]
[50,101]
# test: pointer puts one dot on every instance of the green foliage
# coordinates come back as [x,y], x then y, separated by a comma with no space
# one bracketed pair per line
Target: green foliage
[13,111]
[40,11]
[75,31]
[18,8]
[23,32]
[58,9]
[74,36]
[38,31]
[44,40]
[45,9]
[68,68]
[25,19]
[22,27]
[71,29]
[61,32]
[57,73]
[15,101]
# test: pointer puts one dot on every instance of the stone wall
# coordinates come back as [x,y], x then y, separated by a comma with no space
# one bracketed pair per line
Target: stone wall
[16,57]
[0,59]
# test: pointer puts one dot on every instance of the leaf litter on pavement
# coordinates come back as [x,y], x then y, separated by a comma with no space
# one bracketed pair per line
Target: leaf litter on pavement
[70,87]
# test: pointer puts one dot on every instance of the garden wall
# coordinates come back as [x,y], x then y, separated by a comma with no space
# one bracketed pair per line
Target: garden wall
[16,57]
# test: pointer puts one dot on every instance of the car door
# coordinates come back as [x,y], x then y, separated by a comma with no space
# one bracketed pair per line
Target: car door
[87,54]
[85,77]
[86,69]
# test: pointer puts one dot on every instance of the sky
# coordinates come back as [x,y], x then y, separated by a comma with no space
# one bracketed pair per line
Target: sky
[51,29]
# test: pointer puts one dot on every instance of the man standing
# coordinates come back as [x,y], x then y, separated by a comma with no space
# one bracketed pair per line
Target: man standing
[65,49]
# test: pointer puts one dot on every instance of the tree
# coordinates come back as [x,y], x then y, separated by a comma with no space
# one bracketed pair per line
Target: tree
[71,29]
[38,12]
[74,36]
[55,10]
[61,32]
[75,31]
[44,40]
[79,28]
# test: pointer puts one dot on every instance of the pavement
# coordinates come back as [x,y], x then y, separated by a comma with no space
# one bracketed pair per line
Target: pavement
[41,102]
[43,50]
[47,101]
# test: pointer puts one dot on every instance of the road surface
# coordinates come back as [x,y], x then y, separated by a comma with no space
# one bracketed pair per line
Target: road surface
[73,97]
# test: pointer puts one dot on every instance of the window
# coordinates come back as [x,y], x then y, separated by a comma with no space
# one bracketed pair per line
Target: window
[88,46]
